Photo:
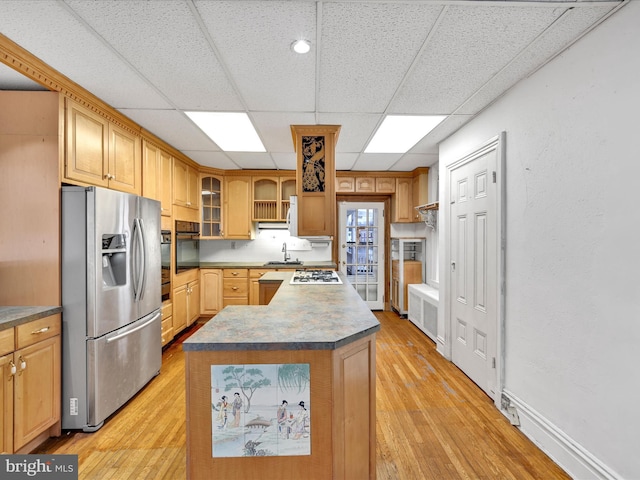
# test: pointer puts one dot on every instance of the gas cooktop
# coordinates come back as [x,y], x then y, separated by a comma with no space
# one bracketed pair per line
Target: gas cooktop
[315,277]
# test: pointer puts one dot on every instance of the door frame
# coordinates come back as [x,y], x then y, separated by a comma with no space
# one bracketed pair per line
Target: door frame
[382,237]
[444,339]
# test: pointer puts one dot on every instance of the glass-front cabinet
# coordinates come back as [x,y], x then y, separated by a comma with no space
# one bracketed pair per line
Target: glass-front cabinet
[211,190]
[407,267]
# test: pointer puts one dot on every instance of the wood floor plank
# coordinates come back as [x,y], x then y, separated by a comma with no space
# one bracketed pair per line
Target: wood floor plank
[433,422]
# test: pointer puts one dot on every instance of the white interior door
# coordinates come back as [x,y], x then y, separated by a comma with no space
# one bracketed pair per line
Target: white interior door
[474,278]
[362,249]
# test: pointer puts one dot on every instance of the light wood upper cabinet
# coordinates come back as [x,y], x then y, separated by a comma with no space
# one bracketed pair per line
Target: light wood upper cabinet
[166,183]
[211,221]
[87,144]
[345,184]
[420,191]
[385,185]
[124,172]
[237,210]
[99,152]
[402,202]
[156,176]
[365,185]
[315,178]
[186,185]
[271,198]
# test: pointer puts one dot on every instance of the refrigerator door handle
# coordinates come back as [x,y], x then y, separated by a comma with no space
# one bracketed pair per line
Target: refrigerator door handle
[143,262]
[139,327]
[138,260]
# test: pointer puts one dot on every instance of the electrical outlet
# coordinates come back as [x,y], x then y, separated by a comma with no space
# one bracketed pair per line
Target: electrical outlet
[233,245]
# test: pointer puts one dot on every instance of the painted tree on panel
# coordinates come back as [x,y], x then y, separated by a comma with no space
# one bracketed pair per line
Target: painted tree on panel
[248,380]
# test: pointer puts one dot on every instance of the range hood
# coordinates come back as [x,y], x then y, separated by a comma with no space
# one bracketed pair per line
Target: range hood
[273,226]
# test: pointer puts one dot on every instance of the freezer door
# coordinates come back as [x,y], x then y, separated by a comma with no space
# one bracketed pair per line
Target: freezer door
[110,295]
[119,365]
[147,256]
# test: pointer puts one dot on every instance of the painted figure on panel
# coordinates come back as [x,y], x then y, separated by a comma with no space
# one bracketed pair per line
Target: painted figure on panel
[301,422]
[283,420]
[237,405]
[222,413]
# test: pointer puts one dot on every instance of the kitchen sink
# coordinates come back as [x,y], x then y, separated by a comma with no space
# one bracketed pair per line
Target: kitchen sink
[282,263]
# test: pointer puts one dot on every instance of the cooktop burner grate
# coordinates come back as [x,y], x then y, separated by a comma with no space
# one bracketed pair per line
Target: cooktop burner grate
[315,277]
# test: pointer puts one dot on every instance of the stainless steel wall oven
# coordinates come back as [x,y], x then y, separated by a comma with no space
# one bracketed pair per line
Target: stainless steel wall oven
[187,245]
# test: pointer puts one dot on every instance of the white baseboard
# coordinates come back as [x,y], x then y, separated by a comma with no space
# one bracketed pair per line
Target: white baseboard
[572,457]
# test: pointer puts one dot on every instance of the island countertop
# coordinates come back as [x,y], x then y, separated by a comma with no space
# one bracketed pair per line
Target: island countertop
[299,317]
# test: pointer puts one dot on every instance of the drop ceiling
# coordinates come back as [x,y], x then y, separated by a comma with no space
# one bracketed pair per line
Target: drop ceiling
[154,60]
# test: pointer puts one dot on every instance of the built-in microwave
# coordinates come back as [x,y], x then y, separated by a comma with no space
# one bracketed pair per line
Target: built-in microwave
[187,245]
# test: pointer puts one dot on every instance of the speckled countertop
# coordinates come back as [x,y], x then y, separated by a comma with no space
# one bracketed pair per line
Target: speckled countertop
[299,317]
[14,316]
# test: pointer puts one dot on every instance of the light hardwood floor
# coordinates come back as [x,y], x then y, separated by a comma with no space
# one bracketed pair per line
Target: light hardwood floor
[432,423]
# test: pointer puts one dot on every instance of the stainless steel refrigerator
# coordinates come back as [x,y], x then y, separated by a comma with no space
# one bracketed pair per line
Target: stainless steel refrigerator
[111,298]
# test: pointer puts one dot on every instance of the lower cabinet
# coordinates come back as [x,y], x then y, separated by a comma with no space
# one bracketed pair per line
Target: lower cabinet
[235,286]
[186,304]
[167,323]
[254,285]
[211,295]
[31,387]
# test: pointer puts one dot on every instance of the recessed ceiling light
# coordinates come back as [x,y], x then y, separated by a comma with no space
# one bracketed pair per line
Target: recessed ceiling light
[398,133]
[301,46]
[232,131]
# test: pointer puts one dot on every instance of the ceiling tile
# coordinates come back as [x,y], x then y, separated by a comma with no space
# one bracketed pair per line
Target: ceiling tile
[254,39]
[285,161]
[556,38]
[429,143]
[164,42]
[345,161]
[173,127]
[63,41]
[355,129]
[252,160]
[275,128]
[366,50]
[376,161]
[470,45]
[211,159]
[409,161]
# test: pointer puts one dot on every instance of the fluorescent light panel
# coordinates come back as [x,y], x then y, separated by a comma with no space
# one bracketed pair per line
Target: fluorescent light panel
[398,133]
[232,131]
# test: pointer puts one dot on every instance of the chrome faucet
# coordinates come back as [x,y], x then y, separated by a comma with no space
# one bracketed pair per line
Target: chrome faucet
[286,255]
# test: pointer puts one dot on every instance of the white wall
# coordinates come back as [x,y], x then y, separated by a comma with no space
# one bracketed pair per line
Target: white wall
[265,247]
[573,243]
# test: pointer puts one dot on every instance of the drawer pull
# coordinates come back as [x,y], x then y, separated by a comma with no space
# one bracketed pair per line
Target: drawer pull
[234,288]
[42,330]
[234,273]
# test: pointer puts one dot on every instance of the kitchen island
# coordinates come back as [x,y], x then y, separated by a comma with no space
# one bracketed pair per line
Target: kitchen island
[311,351]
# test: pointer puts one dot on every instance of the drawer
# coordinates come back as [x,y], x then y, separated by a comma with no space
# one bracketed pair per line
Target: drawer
[235,301]
[235,287]
[235,273]
[38,330]
[167,310]
[7,344]
[258,272]
[167,330]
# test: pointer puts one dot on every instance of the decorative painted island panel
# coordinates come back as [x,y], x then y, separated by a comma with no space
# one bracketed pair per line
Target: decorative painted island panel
[285,388]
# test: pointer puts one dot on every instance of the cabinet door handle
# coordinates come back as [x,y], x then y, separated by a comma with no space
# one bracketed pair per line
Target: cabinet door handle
[23,364]
[42,330]
[12,368]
